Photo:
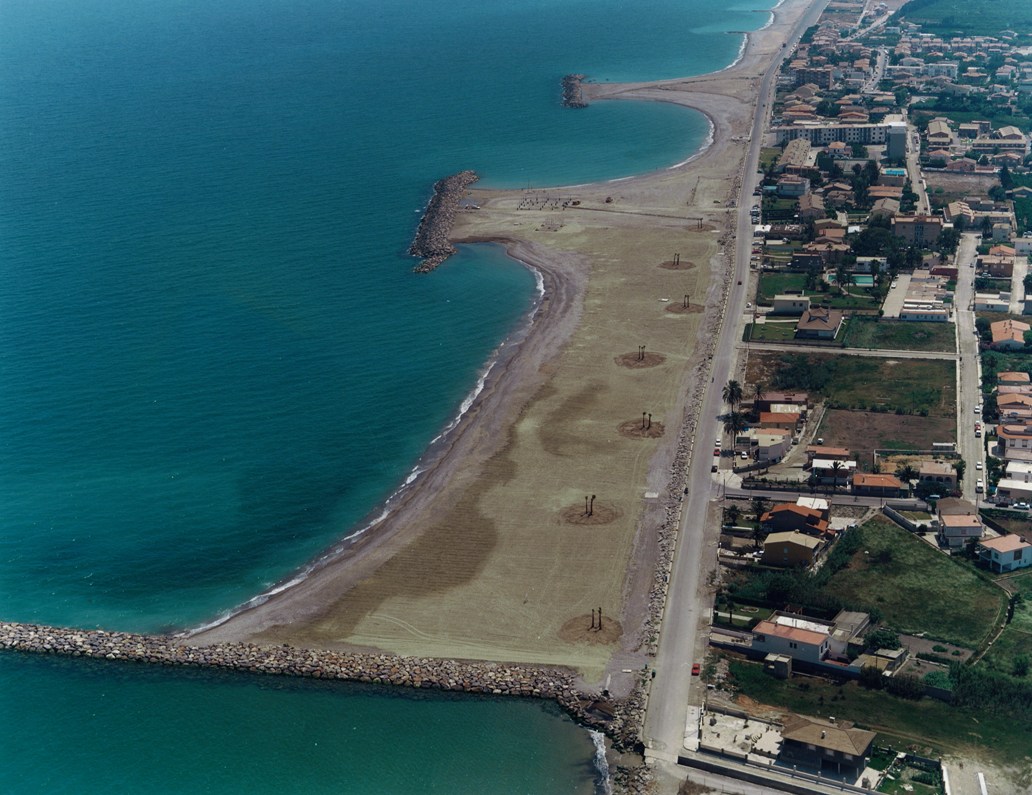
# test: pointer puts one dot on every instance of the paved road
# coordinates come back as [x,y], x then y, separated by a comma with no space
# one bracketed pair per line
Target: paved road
[681,641]
[969,375]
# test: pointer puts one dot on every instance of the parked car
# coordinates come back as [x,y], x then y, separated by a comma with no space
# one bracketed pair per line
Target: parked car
[696,669]
[979,486]
[1021,506]
[978,464]
[978,408]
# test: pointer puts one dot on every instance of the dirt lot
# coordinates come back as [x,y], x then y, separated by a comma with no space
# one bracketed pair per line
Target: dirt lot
[864,431]
[956,186]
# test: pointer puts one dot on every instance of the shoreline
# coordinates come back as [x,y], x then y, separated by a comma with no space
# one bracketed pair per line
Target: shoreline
[525,367]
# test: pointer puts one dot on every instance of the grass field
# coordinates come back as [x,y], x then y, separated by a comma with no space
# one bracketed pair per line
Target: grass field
[959,18]
[769,332]
[1016,639]
[927,725]
[772,284]
[917,588]
[897,335]
[910,386]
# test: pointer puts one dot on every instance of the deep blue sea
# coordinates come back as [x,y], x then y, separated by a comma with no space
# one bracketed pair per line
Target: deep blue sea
[215,360]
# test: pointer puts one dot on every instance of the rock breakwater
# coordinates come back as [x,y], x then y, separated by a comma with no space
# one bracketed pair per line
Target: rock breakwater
[485,678]
[432,242]
[573,93]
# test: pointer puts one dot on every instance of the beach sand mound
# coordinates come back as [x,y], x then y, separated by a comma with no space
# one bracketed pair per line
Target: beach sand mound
[633,429]
[601,513]
[681,309]
[636,361]
[578,630]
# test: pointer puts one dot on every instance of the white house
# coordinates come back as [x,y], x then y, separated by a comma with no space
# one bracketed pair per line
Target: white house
[1005,553]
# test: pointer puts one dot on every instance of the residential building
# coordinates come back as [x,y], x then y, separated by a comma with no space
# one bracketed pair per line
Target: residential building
[769,399]
[1011,490]
[939,473]
[877,485]
[791,549]
[955,530]
[1011,378]
[788,421]
[825,745]
[790,305]
[1009,335]
[918,230]
[832,473]
[939,133]
[816,452]
[1015,441]
[999,267]
[801,638]
[818,504]
[1005,553]
[819,323]
[768,445]
[788,516]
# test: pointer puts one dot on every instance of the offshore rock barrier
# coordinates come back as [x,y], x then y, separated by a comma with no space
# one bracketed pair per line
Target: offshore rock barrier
[432,241]
[573,94]
[485,678]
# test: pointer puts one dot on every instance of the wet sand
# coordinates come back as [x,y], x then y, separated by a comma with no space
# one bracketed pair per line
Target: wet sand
[491,554]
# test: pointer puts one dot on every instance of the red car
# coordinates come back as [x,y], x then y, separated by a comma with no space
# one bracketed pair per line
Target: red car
[696,668]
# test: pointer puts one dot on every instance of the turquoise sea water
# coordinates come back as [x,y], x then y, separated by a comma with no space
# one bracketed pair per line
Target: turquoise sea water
[214,359]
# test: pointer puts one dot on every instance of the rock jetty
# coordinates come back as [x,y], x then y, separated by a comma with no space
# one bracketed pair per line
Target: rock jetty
[466,676]
[432,242]
[573,95]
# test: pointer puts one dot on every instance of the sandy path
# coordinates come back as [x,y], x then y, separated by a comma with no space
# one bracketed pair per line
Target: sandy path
[489,555]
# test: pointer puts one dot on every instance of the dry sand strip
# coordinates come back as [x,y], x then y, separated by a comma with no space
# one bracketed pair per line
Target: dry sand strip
[492,554]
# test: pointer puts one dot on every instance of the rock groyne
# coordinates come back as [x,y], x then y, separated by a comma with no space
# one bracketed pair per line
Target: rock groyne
[573,95]
[432,242]
[466,676]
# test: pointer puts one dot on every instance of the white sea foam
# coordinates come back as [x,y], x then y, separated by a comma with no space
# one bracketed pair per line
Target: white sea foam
[603,786]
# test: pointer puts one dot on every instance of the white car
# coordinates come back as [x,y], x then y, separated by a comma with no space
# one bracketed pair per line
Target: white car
[978,408]
[979,486]
[748,305]
[978,465]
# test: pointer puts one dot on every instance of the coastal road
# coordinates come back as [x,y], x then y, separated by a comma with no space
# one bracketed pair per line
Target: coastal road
[681,641]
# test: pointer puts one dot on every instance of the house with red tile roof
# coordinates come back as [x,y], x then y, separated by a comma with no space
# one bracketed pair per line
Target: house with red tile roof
[1005,553]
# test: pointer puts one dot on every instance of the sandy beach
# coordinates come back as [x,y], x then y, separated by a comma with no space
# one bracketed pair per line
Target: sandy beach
[492,554]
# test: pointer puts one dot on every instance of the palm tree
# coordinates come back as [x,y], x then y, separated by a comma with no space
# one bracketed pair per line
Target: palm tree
[758,389]
[907,473]
[732,393]
[759,506]
[734,422]
[836,468]
[731,514]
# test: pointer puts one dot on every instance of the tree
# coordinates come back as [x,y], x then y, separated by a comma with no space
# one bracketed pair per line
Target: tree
[731,514]
[907,473]
[759,507]
[836,469]
[882,638]
[960,466]
[732,393]
[734,422]
[1006,180]
[948,241]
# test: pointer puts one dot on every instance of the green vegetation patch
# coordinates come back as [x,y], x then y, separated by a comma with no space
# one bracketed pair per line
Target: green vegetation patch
[899,335]
[1015,643]
[769,155]
[917,588]
[907,386]
[964,18]
[769,332]
[772,284]
[934,726]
